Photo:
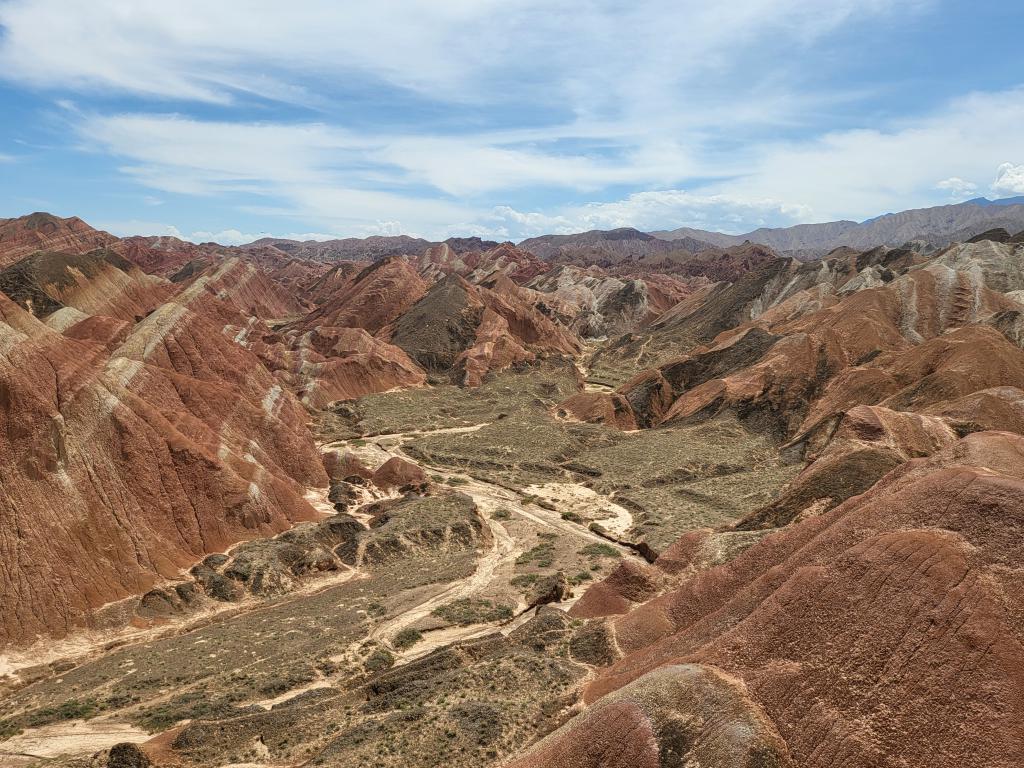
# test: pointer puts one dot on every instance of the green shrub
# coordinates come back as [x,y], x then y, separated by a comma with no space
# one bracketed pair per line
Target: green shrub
[468,611]
[379,660]
[600,550]
[407,638]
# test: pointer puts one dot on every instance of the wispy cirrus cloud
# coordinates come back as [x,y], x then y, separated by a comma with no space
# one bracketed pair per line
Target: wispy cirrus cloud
[591,53]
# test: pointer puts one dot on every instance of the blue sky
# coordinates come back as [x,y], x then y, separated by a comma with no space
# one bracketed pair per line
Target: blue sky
[229,120]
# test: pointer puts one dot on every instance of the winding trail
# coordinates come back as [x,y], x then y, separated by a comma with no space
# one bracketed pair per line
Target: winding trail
[496,565]
[490,496]
[502,552]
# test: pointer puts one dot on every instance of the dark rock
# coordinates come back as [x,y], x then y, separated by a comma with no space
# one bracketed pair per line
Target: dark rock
[127,755]
[551,589]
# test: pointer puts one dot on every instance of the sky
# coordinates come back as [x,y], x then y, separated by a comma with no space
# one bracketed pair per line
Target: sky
[232,120]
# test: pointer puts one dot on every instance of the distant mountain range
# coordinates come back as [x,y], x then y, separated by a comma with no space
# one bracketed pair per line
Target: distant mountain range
[930,227]
[936,227]
[375,247]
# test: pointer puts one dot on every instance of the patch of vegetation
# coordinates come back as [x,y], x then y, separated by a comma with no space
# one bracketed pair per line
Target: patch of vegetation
[407,638]
[470,610]
[572,517]
[73,709]
[502,513]
[195,705]
[542,555]
[530,389]
[600,550]
[480,720]
[379,660]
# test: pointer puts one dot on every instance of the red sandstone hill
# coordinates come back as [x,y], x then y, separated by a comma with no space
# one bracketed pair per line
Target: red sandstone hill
[162,255]
[248,290]
[330,363]
[136,455]
[371,299]
[588,300]
[886,632]
[442,259]
[470,330]
[45,232]
[97,283]
[817,348]
[595,303]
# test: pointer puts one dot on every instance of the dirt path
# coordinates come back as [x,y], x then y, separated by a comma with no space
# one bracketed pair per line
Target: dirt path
[489,496]
[503,553]
[488,493]
[74,737]
[573,497]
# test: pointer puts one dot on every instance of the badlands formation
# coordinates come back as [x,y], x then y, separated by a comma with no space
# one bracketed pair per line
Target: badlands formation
[597,501]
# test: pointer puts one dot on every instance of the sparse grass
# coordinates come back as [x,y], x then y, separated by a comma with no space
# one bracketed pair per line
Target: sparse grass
[188,706]
[542,555]
[531,390]
[524,580]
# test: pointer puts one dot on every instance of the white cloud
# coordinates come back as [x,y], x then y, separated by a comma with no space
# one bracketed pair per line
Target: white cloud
[127,228]
[187,156]
[6,158]
[958,188]
[860,173]
[1009,180]
[670,208]
[332,178]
